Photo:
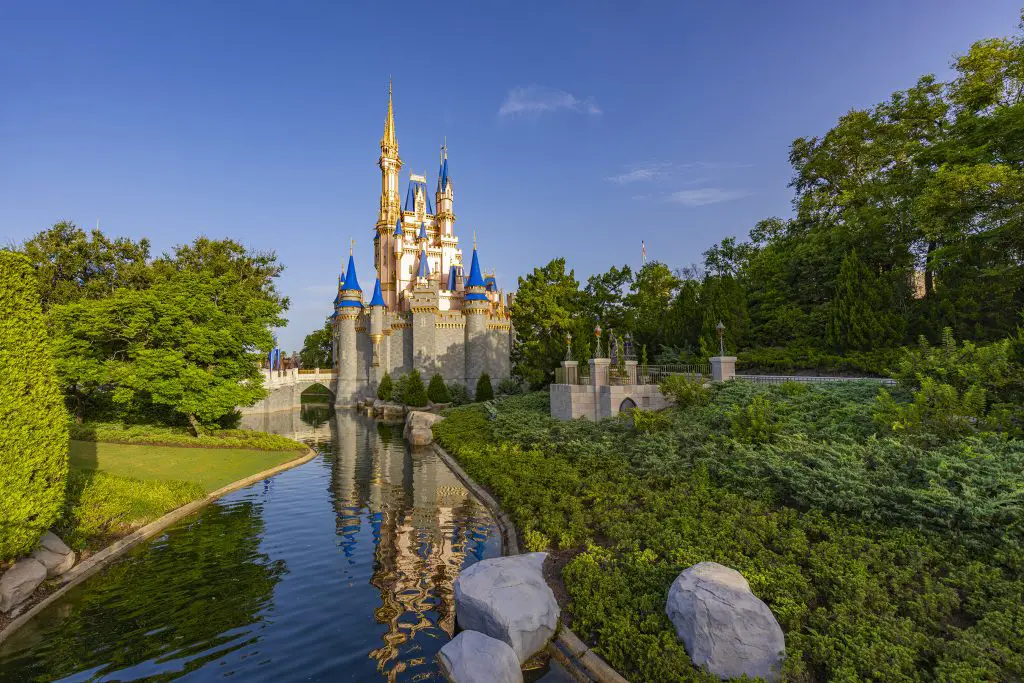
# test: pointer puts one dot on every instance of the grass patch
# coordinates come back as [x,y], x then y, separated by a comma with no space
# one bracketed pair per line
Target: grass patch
[101,507]
[881,561]
[118,432]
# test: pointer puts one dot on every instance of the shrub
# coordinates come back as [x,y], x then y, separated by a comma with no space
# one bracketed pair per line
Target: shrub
[117,432]
[483,392]
[459,393]
[755,422]
[34,436]
[101,506]
[386,388]
[686,390]
[437,392]
[510,386]
[646,421]
[413,392]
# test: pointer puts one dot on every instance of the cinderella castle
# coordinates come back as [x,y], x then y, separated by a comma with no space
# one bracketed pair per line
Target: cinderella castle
[424,314]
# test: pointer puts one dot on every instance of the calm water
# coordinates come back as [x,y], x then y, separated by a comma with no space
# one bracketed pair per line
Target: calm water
[339,569]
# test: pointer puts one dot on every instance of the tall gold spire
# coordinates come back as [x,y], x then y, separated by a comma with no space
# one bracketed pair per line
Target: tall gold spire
[388,142]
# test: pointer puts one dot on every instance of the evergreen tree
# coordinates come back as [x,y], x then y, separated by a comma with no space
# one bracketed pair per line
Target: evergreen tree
[437,391]
[415,394]
[484,391]
[859,315]
[386,388]
[34,435]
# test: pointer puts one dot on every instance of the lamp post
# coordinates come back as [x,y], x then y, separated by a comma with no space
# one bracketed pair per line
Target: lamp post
[597,335]
[568,345]
[721,338]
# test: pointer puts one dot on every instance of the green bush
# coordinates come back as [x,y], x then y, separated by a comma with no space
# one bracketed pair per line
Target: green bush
[101,507]
[646,421]
[413,392]
[881,559]
[117,432]
[34,435]
[510,386]
[386,388]
[459,393]
[437,392]
[685,389]
[483,392]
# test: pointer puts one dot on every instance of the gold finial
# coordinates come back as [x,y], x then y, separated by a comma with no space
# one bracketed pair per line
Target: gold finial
[445,147]
[474,240]
[351,246]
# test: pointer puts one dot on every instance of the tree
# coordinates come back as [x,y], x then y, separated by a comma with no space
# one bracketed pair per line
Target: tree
[186,348]
[648,300]
[316,349]
[71,265]
[860,317]
[34,437]
[413,392]
[437,391]
[386,387]
[603,300]
[545,309]
[484,391]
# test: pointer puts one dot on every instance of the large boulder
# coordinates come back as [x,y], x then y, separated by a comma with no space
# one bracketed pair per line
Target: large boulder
[724,626]
[19,581]
[472,657]
[507,598]
[54,554]
[417,427]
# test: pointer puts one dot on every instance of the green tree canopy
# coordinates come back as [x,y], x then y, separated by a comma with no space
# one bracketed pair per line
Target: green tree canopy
[316,348]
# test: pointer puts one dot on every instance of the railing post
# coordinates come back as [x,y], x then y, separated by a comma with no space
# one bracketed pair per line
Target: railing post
[631,372]
[571,370]
[599,371]
[723,368]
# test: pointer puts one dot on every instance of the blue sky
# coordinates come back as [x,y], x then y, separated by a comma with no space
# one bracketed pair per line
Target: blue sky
[574,129]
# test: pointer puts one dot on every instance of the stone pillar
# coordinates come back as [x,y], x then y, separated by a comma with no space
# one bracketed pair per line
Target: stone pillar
[723,368]
[599,371]
[571,370]
[630,372]
[348,359]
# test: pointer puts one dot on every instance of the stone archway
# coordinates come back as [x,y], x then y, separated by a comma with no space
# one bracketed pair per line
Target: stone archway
[628,405]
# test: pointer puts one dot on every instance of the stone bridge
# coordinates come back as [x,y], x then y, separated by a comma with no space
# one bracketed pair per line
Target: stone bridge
[285,388]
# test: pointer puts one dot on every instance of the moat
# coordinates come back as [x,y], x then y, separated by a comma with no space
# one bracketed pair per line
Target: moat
[339,569]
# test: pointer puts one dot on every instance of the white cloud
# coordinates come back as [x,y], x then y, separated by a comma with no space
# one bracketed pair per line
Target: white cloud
[538,99]
[641,172]
[706,195]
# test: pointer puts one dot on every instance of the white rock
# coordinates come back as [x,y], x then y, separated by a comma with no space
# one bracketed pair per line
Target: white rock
[417,427]
[472,657]
[19,581]
[52,542]
[724,626]
[55,563]
[507,598]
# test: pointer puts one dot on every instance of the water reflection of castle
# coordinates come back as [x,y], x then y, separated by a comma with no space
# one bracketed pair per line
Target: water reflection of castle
[424,525]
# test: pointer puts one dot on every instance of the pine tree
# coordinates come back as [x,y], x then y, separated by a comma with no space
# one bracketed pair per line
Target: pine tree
[386,388]
[484,392]
[437,391]
[859,315]
[415,393]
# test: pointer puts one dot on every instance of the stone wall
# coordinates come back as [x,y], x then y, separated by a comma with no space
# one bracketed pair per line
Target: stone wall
[571,401]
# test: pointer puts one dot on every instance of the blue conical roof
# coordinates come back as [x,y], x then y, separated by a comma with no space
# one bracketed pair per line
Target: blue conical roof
[423,231]
[475,277]
[442,175]
[424,267]
[378,298]
[398,227]
[351,281]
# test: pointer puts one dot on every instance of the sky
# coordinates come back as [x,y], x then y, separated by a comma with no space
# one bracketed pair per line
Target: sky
[574,129]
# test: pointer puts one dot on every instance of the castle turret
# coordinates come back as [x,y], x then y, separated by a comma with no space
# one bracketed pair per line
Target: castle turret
[475,308]
[350,307]
[444,197]
[390,166]
[377,308]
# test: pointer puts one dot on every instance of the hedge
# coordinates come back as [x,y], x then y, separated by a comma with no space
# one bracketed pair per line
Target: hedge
[34,438]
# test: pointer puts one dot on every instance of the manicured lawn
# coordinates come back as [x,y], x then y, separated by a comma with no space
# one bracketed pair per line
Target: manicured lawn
[212,468]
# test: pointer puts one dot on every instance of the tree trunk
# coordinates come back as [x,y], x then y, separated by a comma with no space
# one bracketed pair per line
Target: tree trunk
[195,424]
[929,284]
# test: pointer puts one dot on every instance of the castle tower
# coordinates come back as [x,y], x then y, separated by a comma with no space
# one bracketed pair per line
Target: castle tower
[386,257]
[475,308]
[377,309]
[350,307]
[444,200]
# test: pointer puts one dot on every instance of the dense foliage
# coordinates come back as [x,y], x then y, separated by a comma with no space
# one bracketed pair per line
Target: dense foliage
[34,435]
[317,347]
[881,559]
[484,390]
[386,388]
[437,391]
[175,340]
[908,219]
[409,390]
[116,432]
